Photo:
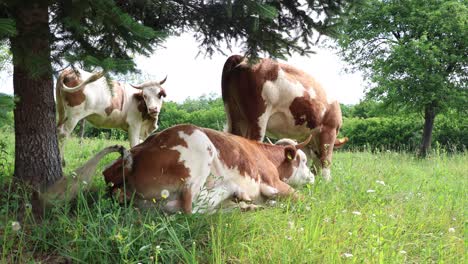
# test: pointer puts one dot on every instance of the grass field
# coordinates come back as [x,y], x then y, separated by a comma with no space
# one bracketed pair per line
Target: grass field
[379,208]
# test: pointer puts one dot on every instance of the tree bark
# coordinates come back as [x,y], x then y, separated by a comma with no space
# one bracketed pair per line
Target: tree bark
[37,159]
[429,118]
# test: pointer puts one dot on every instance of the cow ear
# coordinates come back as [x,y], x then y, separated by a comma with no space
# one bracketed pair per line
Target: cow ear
[290,153]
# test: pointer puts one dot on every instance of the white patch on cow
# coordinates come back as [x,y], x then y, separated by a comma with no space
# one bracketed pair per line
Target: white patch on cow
[268,191]
[228,125]
[324,110]
[302,174]
[281,92]
[326,174]
[196,158]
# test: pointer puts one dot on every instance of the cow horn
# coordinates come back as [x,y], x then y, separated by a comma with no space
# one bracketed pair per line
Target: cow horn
[163,81]
[269,141]
[303,144]
[92,78]
[143,85]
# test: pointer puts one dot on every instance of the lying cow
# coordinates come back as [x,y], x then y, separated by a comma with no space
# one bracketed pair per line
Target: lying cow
[282,101]
[205,167]
[134,108]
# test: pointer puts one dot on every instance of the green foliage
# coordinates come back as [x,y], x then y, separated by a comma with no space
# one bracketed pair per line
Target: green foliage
[403,133]
[7,27]
[386,207]
[206,111]
[6,111]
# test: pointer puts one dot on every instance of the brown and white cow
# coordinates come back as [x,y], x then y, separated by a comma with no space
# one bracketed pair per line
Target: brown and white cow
[133,108]
[283,102]
[189,164]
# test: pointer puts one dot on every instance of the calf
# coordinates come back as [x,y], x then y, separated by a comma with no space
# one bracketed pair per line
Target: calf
[81,94]
[186,164]
[283,102]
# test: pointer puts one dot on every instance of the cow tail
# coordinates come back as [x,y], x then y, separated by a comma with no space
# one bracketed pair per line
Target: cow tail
[339,142]
[115,173]
[67,188]
[230,64]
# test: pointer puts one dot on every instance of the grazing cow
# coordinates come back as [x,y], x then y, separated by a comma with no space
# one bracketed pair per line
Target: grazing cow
[186,164]
[134,108]
[282,101]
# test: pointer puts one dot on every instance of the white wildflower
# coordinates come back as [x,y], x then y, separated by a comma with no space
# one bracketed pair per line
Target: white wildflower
[28,206]
[344,211]
[380,182]
[15,225]
[288,238]
[326,219]
[350,233]
[272,202]
[85,182]
[451,230]
[158,247]
[356,213]
[164,194]
[402,252]
[307,208]
[301,229]
[370,191]
[291,224]
[347,255]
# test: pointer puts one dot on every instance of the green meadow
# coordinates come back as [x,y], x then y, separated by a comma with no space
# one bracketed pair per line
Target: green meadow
[384,207]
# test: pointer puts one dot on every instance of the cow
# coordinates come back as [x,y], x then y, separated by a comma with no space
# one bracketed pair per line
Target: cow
[133,108]
[278,100]
[185,165]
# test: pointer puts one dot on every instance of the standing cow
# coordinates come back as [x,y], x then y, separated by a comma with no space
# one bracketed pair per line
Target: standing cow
[282,101]
[134,108]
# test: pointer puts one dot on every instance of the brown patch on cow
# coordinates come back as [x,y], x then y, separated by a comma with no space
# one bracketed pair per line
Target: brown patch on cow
[141,104]
[117,100]
[71,79]
[306,110]
[252,158]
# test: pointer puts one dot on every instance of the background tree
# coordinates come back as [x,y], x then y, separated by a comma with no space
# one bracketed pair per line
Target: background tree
[414,51]
[108,33]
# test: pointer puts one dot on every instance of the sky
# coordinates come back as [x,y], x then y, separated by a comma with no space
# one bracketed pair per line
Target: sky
[190,75]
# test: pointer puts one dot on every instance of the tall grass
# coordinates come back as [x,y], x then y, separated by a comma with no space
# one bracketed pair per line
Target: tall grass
[382,207]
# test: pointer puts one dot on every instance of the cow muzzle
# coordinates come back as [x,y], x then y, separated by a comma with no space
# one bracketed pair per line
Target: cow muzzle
[153,111]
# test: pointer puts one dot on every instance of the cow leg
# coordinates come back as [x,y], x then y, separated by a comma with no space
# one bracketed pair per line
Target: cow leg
[284,190]
[327,141]
[257,128]
[134,134]
[64,131]
[208,200]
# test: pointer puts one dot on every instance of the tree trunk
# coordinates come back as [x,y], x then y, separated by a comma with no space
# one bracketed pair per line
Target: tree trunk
[37,159]
[429,117]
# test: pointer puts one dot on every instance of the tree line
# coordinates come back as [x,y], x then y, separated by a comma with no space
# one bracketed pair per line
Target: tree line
[370,125]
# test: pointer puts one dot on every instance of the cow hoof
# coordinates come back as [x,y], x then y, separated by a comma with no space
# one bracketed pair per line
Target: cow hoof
[326,174]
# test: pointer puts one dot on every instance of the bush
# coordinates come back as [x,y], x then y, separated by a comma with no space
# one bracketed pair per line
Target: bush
[403,132]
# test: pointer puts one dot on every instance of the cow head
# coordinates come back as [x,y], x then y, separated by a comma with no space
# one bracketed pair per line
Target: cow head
[153,94]
[296,161]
